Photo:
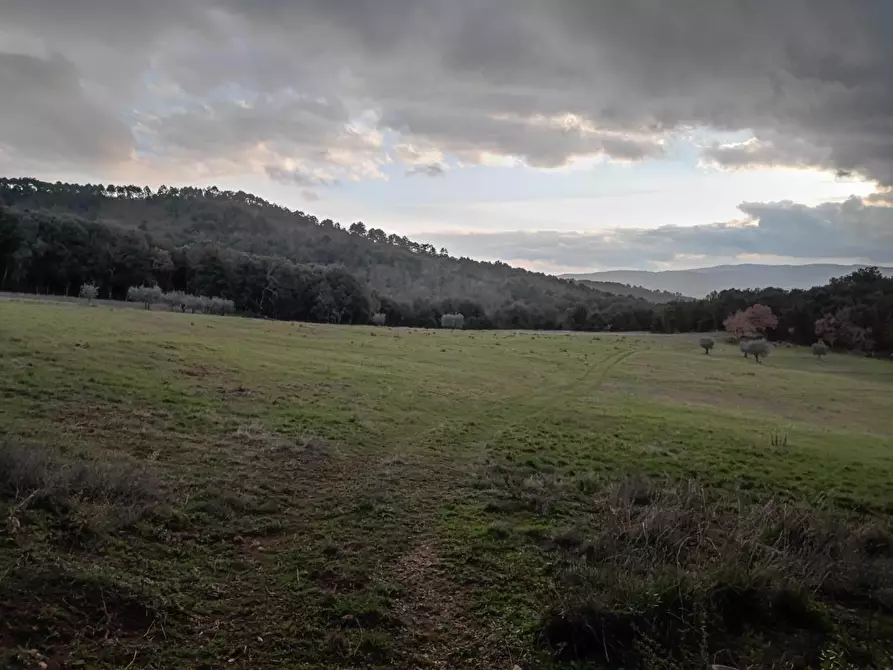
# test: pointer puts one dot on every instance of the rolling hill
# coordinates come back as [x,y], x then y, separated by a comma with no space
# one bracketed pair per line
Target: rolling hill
[699,282]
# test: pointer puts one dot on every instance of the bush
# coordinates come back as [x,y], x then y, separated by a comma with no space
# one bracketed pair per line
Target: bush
[675,576]
[707,344]
[379,319]
[758,349]
[88,494]
[820,349]
[89,292]
[454,321]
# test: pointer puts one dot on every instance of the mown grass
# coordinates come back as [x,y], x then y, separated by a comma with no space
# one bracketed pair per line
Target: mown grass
[309,496]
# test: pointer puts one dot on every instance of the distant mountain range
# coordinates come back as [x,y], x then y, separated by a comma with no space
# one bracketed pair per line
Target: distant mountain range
[699,282]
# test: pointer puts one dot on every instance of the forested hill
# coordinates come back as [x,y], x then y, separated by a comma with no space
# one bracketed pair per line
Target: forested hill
[273,261]
[651,295]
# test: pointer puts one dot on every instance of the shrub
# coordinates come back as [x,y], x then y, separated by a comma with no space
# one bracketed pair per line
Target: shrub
[820,349]
[379,319]
[758,349]
[676,576]
[707,344]
[95,495]
[89,292]
[454,321]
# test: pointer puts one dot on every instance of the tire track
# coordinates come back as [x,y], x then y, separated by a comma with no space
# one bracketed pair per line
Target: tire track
[555,397]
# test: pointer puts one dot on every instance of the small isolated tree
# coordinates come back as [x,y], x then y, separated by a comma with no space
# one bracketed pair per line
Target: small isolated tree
[758,349]
[379,319]
[707,344]
[89,292]
[454,321]
[820,349]
[743,346]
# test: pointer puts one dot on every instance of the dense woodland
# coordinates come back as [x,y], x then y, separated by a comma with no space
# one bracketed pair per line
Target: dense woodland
[273,262]
[283,264]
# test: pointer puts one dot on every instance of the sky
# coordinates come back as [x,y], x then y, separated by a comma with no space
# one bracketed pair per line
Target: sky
[558,135]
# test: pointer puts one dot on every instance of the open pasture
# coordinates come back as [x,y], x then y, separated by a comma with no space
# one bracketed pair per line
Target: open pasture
[269,494]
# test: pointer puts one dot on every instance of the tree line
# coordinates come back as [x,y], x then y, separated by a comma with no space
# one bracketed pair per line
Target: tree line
[854,312]
[274,262]
[283,264]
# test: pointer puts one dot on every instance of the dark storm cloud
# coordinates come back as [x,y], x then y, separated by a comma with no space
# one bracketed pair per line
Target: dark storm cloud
[828,231]
[498,77]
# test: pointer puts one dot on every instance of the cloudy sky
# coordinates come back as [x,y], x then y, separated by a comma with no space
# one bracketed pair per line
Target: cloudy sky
[560,135]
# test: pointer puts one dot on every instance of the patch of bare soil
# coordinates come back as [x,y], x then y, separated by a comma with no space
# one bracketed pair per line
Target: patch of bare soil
[436,619]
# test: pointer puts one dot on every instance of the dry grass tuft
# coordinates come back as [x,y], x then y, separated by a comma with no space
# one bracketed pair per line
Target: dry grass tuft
[674,576]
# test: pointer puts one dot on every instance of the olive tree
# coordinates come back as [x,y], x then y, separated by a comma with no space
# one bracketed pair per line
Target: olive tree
[174,300]
[758,349]
[454,321]
[221,306]
[743,347]
[707,344]
[379,319]
[89,292]
[148,295]
[820,349]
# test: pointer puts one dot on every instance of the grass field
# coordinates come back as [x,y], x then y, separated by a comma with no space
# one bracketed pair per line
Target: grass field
[267,494]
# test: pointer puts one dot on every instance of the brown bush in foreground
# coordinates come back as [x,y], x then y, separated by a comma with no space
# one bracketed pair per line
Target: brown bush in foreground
[89,495]
[675,577]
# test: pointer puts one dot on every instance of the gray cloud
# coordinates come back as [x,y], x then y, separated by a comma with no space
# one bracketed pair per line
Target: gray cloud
[467,77]
[45,114]
[829,231]
[428,169]
[297,177]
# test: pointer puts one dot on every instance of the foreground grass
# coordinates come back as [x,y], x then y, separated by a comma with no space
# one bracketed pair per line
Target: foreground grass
[308,496]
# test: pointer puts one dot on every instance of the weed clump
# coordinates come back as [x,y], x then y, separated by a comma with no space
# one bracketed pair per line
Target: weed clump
[673,576]
[86,497]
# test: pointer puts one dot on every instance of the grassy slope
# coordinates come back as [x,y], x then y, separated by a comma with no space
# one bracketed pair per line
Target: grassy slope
[323,498]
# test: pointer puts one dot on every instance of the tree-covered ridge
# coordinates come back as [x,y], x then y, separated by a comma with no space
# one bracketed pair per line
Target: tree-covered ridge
[274,261]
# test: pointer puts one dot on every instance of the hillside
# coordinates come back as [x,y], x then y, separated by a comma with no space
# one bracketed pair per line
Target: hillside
[273,261]
[616,288]
[702,281]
